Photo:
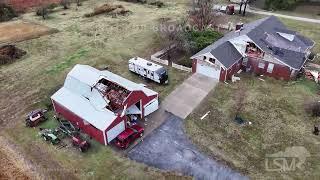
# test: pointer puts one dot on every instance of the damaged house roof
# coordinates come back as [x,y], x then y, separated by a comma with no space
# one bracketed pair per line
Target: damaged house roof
[269,34]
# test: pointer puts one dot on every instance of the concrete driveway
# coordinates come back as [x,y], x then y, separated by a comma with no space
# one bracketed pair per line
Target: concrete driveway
[185,98]
[169,148]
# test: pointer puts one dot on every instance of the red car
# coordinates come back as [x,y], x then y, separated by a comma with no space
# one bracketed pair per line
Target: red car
[129,135]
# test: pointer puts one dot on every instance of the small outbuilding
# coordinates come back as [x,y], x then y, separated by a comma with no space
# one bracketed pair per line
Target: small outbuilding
[101,103]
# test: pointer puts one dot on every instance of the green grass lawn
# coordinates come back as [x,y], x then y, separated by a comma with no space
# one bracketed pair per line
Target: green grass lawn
[97,41]
[276,110]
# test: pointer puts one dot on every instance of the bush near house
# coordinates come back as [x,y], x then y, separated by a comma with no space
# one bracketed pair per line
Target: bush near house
[6,12]
[201,39]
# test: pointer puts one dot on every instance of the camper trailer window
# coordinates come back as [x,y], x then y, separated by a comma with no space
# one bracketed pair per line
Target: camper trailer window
[161,71]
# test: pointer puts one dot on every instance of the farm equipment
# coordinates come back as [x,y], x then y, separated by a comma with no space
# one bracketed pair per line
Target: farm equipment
[68,129]
[49,135]
[35,117]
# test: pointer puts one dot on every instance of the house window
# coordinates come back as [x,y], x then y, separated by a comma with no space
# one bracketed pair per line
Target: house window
[261,65]
[213,61]
[270,68]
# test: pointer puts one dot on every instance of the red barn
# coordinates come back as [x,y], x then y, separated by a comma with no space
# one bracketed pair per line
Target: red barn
[100,102]
[264,46]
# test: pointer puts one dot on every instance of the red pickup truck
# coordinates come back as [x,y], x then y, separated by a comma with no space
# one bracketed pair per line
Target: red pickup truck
[128,136]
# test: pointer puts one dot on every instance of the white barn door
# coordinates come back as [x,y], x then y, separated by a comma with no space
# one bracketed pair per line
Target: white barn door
[115,131]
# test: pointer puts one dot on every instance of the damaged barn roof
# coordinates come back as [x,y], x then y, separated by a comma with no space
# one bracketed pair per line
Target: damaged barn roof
[79,96]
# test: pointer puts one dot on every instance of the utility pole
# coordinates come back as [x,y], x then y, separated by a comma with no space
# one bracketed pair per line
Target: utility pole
[241,6]
[245,7]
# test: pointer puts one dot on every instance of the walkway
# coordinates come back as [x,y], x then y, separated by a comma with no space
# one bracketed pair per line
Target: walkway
[184,99]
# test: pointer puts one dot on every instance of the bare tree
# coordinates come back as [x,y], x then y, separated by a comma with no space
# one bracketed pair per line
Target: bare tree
[65,4]
[78,2]
[240,97]
[201,15]
[171,34]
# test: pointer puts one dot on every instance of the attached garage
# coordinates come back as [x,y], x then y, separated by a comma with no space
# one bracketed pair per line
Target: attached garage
[219,61]
[208,69]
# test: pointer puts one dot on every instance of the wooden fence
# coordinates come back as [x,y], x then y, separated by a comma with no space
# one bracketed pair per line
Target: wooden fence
[155,57]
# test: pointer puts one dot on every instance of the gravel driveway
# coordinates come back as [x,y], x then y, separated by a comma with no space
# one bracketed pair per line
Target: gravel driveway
[168,148]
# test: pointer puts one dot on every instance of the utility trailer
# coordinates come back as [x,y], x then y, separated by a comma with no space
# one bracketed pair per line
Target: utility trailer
[148,70]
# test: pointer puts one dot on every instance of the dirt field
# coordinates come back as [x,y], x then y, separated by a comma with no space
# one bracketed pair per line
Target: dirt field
[97,41]
[8,169]
[16,31]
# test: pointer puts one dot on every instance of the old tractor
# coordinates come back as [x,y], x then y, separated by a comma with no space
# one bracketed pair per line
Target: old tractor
[49,135]
[34,118]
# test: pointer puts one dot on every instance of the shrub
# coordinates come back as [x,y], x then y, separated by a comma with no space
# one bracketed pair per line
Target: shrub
[159,4]
[313,108]
[6,12]
[42,11]
[281,4]
[201,39]
[65,4]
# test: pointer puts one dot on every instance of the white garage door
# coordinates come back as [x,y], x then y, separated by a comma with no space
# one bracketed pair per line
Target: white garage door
[115,131]
[207,70]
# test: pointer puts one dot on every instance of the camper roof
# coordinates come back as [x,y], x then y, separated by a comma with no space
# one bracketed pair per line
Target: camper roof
[145,64]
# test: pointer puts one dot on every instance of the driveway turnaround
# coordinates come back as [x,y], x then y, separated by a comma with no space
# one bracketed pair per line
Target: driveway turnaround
[185,98]
[168,148]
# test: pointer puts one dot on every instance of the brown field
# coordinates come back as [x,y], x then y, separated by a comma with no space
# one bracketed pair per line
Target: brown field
[16,31]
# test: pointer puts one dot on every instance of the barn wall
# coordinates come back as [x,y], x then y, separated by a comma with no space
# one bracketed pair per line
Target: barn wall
[79,122]
[279,71]
[23,5]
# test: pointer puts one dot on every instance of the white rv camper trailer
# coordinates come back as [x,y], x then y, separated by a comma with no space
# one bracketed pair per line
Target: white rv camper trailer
[148,70]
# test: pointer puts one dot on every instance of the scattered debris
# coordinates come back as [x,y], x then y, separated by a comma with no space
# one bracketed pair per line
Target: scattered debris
[312,72]
[239,120]
[6,12]
[235,79]
[9,53]
[205,115]
[261,79]
[110,9]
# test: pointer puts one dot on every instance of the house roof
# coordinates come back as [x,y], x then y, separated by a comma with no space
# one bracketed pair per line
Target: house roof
[226,51]
[78,96]
[267,34]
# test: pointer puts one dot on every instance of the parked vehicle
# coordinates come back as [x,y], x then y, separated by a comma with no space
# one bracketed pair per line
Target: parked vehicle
[35,117]
[149,70]
[49,135]
[128,136]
